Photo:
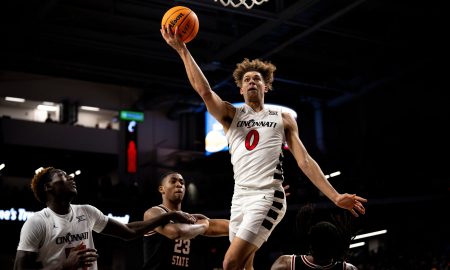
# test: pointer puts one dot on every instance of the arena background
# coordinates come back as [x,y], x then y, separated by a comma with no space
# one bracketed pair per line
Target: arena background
[368,80]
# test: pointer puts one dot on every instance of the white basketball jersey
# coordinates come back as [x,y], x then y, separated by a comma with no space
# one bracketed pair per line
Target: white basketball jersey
[52,235]
[255,140]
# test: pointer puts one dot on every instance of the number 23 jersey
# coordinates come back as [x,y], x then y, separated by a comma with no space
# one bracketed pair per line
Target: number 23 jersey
[162,253]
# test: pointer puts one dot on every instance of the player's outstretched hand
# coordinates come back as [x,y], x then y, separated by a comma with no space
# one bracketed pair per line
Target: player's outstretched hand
[172,38]
[352,203]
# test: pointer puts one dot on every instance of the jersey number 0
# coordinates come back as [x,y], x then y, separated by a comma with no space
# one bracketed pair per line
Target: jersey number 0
[251,140]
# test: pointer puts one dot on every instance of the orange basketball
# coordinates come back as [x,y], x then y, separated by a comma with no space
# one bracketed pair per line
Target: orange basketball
[185,19]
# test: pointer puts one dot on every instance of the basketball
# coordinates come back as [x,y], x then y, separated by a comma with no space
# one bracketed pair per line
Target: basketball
[185,19]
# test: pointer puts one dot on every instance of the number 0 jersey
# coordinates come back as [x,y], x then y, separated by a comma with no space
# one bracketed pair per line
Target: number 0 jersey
[255,141]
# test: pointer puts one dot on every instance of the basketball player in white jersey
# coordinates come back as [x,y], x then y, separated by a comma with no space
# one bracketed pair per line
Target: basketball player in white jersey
[255,135]
[60,235]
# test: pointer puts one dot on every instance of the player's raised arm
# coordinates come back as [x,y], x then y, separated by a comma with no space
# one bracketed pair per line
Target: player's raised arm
[219,109]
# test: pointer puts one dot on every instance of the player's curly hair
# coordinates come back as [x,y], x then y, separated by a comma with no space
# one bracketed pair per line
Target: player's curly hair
[325,236]
[38,183]
[264,67]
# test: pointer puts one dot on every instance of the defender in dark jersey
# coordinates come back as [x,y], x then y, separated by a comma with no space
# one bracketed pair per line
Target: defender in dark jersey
[326,244]
[174,245]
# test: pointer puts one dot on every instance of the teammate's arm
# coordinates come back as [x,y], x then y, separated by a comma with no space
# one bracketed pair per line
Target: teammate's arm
[26,260]
[138,228]
[78,256]
[177,230]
